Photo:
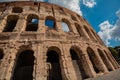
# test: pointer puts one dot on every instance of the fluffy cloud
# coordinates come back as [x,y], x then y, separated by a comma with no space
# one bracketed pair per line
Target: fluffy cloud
[108,31]
[89,3]
[70,4]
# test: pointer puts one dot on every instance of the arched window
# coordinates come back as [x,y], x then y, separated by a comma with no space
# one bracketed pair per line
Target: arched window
[111,59]
[53,64]
[77,63]
[11,23]
[93,59]
[17,10]
[88,32]
[24,66]
[1,55]
[65,25]
[79,29]
[105,59]
[73,18]
[32,22]
[50,22]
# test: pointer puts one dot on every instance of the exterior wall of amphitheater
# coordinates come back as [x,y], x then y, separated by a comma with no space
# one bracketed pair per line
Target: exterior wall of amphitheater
[81,38]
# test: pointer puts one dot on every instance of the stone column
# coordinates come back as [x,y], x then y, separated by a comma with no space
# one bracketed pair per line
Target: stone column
[41,60]
[20,26]
[4,63]
[41,24]
[13,50]
[69,73]
[3,22]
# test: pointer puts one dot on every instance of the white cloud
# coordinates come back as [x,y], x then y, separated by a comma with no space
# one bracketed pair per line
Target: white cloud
[108,31]
[70,4]
[89,3]
[105,32]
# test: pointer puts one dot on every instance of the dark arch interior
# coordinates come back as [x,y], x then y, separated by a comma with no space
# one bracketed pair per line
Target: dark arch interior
[88,32]
[11,23]
[24,66]
[17,10]
[32,23]
[93,59]
[1,54]
[55,71]
[79,30]
[73,18]
[104,59]
[78,66]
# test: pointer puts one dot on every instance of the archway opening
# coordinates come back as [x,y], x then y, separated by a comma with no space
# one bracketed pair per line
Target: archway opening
[89,33]
[32,22]
[53,63]
[24,66]
[65,25]
[1,55]
[102,55]
[50,22]
[93,59]
[77,64]
[11,23]
[17,10]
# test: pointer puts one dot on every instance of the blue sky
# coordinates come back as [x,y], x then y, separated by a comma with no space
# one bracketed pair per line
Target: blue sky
[103,15]
[102,11]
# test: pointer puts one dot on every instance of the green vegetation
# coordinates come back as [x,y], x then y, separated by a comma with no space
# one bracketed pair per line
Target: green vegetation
[115,52]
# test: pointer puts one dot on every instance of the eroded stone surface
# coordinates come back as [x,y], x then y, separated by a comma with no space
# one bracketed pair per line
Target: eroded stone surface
[34,51]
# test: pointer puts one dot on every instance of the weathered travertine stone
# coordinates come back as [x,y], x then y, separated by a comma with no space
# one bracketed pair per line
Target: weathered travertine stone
[34,51]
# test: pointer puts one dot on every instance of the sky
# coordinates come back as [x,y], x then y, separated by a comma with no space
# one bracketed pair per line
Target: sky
[103,16]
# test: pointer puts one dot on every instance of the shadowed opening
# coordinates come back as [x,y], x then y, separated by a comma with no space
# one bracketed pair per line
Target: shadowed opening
[11,23]
[104,58]
[77,64]
[32,22]
[17,10]
[53,63]
[93,59]
[24,66]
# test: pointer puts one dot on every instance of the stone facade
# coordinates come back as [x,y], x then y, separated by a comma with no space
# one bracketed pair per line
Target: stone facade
[34,51]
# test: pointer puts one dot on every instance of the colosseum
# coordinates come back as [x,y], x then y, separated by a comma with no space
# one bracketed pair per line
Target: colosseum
[42,41]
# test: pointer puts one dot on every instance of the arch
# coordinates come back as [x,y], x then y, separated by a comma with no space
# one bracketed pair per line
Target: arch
[11,23]
[93,59]
[53,64]
[96,36]
[79,29]
[32,22]
[50,22]
[23,69]
[17,9]
[65,25]
[1,55]
[73,18]
[88,32]
[104,58]
[77,61]
[110,59]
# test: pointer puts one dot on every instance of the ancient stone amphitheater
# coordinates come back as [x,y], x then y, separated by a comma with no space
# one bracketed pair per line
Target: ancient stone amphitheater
[41,41]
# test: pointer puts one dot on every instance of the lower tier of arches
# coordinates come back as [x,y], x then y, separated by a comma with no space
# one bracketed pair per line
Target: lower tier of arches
[55,61]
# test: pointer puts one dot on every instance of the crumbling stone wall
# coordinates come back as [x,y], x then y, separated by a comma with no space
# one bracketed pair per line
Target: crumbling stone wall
[80,50]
